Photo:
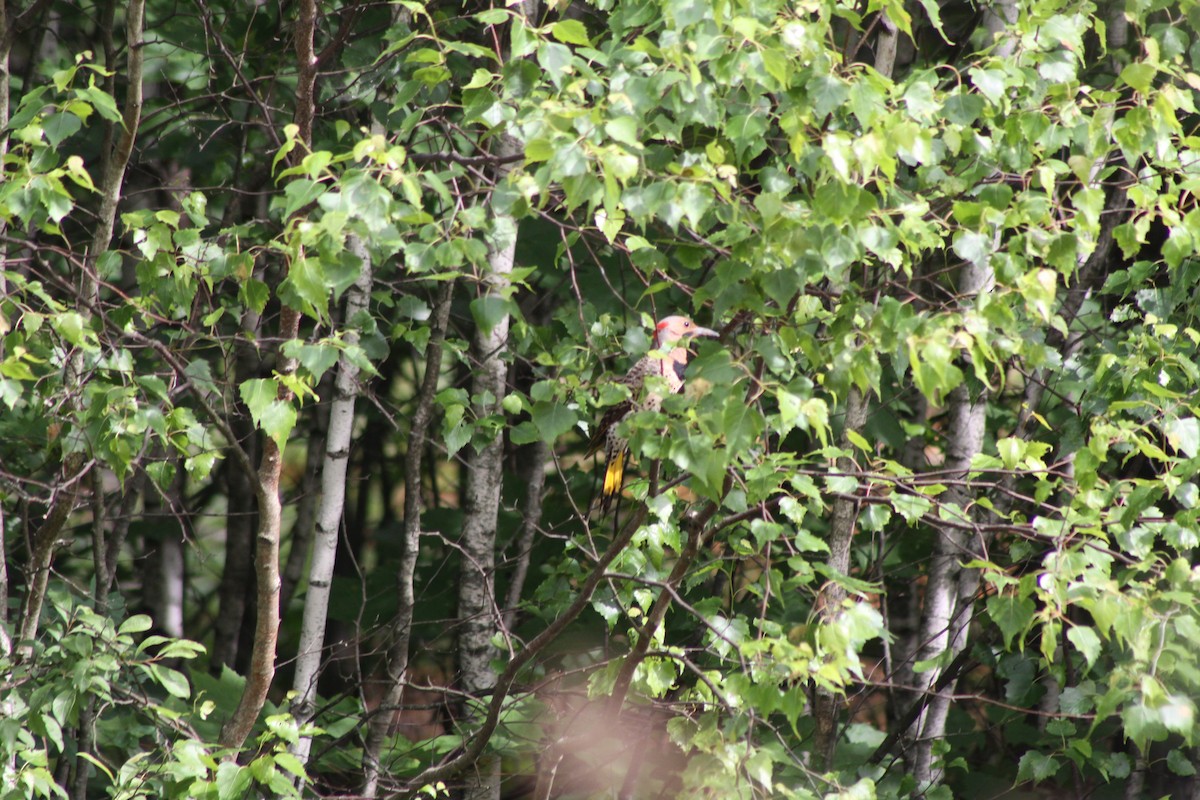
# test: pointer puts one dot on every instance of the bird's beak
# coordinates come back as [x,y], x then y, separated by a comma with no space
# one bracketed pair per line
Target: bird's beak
[698,331]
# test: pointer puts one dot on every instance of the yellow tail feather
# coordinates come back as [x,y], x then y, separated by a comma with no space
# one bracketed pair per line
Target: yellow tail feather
[614,473]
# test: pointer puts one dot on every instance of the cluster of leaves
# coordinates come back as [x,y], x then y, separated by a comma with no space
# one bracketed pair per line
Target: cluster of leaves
[732,157]
[125,690]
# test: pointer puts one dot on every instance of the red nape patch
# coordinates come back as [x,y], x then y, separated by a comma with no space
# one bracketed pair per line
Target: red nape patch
[660,325]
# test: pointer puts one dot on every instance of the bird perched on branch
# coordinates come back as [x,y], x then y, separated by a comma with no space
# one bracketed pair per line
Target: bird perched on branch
[668,360]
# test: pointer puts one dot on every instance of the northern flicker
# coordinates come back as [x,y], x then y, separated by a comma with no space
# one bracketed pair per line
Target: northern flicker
[671,337]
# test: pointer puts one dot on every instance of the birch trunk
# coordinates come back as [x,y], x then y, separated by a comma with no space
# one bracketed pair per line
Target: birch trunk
[329,517]
[998,17]
[950,592]
[6,41]
[162,584]
[305,526]
[477,606]
[826,704]
[5,641]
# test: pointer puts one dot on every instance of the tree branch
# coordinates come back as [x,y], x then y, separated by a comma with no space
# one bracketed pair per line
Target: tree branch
[400,634]
[466,757]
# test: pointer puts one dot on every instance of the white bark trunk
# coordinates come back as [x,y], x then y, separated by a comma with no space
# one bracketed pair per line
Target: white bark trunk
[478,610]
[329,517]
[826,704]
[949,593]
[997,19]
[171,579]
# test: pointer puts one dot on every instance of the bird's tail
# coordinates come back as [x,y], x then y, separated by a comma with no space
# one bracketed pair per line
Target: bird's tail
[614,475]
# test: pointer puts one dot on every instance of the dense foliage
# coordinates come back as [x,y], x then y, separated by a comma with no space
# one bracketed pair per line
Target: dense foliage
[308,310]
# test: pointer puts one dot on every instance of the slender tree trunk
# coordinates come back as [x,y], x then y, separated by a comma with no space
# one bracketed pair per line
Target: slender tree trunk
[826,704]
[694,527]
[400,633]
[114,163]
[87,713]
[5,641]
[1135,784]
[886,44]
[305,526]
[477,607]
[117,533]
[475,745]
[237,577]
[266,566]
[531,515]
[998,17]
[163,584]
[329,517]
[270,469]
[950,591]
[6,43]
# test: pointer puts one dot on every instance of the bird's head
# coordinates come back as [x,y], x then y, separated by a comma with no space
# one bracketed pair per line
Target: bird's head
[671,331]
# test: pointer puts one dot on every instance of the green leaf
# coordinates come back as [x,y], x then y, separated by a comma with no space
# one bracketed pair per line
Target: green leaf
[555,60]
[306,288]
[233,782]
[1179,763]
[301,193]
[277,421]
[973,247]
[490,311]
[1183,434]
[1086,641]
[552,419]
[746,132]
[493,16]
[258,394]
[61,126]
[1013,615]
[290,763]
[1143,724]
[136,624]
[694,200]
[1036,767]
[1139,76]
[316,359]
[255,294]
[1011,451]
[570,31]
[102,101]
[911,506]
[69,325]
[623,130]
[457,436]
[200,465]
[538,150]
[172,680]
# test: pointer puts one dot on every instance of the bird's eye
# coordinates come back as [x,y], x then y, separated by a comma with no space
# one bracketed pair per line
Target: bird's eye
[687,324]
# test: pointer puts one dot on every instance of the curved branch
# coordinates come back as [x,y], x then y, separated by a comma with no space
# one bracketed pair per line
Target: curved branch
[467,756]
